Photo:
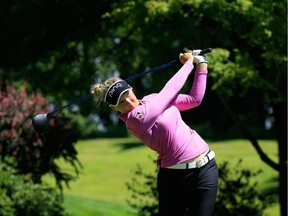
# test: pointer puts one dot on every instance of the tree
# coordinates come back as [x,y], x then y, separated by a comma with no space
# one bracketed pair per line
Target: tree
[35,154]
[48,44]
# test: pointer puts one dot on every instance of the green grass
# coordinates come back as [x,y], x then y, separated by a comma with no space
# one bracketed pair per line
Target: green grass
[84,206]
[109,163]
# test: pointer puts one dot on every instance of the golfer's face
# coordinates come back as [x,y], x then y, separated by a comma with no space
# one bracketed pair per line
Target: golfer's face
[128,101]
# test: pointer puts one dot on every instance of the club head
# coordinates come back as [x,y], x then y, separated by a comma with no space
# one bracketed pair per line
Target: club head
[40,122]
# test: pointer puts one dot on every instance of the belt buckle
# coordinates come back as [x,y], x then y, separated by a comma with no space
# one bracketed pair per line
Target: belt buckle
[200,163]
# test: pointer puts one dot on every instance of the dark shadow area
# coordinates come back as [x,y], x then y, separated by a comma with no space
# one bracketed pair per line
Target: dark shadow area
[274,190]
[131,145]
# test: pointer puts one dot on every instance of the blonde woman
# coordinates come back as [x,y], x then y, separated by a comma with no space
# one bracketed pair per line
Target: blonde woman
[187,179]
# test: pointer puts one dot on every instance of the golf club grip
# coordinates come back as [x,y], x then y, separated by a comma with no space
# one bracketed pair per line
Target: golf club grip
[205,51]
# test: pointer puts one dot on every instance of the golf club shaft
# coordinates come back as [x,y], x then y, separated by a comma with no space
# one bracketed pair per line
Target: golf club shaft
[205,51]
[70,104]
[151,70]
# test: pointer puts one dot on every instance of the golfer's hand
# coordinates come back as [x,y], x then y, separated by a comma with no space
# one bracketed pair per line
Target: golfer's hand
[200,59]
[196,52]
[184,57]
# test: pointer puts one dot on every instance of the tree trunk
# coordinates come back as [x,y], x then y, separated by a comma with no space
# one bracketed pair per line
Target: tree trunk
[280,114]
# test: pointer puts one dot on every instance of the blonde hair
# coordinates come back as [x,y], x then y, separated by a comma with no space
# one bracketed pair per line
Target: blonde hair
[99,89]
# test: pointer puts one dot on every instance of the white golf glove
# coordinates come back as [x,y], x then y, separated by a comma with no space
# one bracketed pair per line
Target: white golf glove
[196,52]
[199,58]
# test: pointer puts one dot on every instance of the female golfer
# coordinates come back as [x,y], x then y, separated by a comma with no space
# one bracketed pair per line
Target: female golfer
[187,179]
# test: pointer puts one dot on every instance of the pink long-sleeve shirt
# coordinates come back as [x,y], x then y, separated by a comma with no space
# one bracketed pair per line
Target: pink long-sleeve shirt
[157,120]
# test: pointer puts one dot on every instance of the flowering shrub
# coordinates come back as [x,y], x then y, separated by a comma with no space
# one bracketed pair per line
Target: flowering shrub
[35,153]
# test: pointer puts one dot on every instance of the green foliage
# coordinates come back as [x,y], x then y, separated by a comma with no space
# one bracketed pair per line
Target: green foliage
[230,76]
[88,127]
[20,196]
[253,54]
[237,195]
[56,54]
[35,154]
[144,198]
[86,48]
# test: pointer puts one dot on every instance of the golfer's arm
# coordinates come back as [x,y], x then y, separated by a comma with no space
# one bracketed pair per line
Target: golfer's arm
[201,66]
[170,91]
[196,94]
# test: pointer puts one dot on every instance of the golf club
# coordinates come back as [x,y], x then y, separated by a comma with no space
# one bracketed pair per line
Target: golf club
[40,121]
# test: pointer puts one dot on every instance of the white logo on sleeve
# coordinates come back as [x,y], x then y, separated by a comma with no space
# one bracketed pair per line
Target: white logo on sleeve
[139,115]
